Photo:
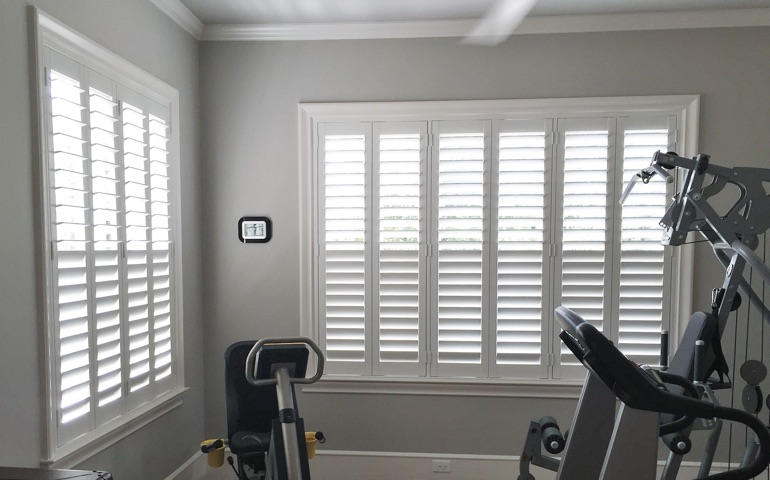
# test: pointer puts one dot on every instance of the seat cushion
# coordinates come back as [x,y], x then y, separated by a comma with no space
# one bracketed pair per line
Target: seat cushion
[245,442]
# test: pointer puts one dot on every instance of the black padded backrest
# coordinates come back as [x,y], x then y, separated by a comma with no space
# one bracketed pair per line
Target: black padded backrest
[249,408]
[702,326]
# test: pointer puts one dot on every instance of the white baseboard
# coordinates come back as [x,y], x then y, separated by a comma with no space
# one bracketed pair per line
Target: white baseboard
[353,465]
[192,469]
[348,465]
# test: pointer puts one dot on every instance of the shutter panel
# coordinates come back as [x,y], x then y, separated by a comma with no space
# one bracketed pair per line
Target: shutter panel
[110,310]
[462,149]
[160,246]
[343,265]
[106,219]
[585,221]
[642,263]
[400,265]
[70,234]
[521,270]
[136,187]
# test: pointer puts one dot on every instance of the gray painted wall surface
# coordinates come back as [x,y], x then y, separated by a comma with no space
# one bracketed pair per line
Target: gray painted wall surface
[140,33]
[250,93]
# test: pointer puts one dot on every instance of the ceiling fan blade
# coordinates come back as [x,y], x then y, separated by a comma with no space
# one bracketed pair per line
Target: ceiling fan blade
[500,22]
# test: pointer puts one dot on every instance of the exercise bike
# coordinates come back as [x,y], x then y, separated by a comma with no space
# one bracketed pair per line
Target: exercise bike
[282,362]
[264,430]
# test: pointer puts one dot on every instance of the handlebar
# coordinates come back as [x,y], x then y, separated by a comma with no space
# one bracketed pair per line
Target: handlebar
[252,361]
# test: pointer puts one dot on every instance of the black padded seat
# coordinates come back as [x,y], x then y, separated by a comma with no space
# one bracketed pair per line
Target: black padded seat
[250,409]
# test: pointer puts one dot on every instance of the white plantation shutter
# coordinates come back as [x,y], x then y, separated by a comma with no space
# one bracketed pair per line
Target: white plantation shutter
[107,214]
[109,226]
[160,246]
[72,269]
[343,153]
[400,159]
[459,248]
[585,268]
[522,270]
[643,270]
[444,245]
[137,196]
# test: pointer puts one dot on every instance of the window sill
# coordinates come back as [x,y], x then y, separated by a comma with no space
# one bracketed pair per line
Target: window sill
[97,440]
[434,386]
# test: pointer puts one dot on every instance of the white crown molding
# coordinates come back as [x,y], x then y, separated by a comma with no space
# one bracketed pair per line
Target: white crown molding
[181,15]
[174,9]
[759,17]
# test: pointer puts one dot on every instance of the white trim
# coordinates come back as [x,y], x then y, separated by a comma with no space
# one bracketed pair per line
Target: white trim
[110,433]
[310,115]
[84,50]
[193,469]
[181,15]
[442,387]
[354,465]
[482,109]
[351,465]
[756,17]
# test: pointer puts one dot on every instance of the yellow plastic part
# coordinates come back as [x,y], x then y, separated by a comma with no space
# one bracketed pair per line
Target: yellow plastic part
[311,442]
[216,457]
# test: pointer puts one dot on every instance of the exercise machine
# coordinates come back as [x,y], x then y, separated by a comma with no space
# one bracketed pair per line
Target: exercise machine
[733,237]
[645,390]
[265,433]
[282,363]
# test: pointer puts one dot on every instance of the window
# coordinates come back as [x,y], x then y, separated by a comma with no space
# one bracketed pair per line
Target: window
[445,234]
[108,164]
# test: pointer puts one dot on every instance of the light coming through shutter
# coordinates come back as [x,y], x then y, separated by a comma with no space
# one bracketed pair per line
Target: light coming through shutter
[399,225]
[642,282]
[344,253]
[584,271]
[137,258]
[520,242]
[72,248]
[107,246]
[460,227]
[160,207]
[111,322]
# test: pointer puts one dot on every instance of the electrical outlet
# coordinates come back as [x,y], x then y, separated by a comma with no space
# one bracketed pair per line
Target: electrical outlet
[442,466]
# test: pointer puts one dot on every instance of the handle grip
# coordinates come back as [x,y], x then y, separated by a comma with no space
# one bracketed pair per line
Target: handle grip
[251,361]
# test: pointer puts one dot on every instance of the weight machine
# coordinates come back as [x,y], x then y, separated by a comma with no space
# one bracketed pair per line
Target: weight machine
[599,439]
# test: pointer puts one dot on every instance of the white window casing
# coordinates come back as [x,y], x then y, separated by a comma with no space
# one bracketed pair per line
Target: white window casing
[472,221]
[109,166]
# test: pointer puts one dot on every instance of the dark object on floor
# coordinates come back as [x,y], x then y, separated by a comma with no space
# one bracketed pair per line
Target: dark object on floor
[11,473]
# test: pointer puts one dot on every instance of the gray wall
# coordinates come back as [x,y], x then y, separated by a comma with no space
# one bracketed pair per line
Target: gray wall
[250,93]
[140,33]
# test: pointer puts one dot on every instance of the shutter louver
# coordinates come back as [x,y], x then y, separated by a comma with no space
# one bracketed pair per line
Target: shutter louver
[399,248]
[107,311]
[460,253]
[160,248]
[72,249]
[584,227]
[520,243]
[344,251]
[585,224]
[641,253]
[135,163]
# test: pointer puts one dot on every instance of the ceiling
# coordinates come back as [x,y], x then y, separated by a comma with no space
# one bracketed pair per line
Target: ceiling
[358,19]
[263,12]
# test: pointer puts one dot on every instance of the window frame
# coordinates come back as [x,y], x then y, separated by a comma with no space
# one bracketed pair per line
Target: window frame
[684,107]
[50,33]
